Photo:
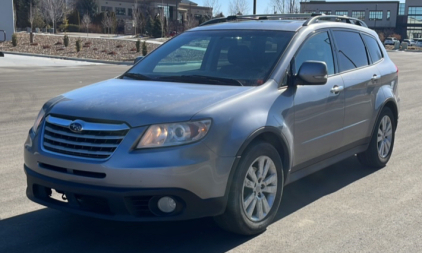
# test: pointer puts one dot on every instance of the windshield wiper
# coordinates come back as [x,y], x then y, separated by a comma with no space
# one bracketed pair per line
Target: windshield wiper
[136,76]
[202,79]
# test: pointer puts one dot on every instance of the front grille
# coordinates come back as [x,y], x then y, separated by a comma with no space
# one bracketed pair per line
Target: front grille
[96,140]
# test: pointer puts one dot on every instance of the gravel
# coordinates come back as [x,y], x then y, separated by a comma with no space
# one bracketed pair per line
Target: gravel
[91,48]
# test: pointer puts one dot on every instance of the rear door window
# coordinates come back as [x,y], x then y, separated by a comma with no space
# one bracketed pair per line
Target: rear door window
[351,51]
[373,48]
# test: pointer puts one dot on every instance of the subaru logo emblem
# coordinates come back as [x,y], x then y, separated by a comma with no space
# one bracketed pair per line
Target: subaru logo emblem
[76,127]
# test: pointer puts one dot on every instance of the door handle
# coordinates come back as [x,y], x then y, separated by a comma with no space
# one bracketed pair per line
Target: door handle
[376,77]
[336,89]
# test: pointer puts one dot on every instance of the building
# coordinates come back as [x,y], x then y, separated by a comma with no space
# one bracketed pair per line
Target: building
[404,18]
[171,9]
[377,15]
[7,19]
[413,18]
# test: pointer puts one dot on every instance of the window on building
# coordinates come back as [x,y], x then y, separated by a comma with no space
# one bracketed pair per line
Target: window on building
[106,9]
[414,32]
[358,14]
[316,48]
[129,12]
[373,48]
[120,11]
[325,12]
[388,15]
[375,15]
[342,13]
[415,15]
[165,10]
[415,11]
[351,50]
[402,7]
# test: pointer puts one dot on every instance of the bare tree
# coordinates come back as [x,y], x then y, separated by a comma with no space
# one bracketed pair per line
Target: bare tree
[280,6]
[238,7]
[53,10]
[31,14]
[215,5]
[294,6]
[190,22]
[135,16]
[106,22]
[86,21]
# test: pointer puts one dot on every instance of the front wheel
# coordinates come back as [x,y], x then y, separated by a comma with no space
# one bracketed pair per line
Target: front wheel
[256,191]
[382,142]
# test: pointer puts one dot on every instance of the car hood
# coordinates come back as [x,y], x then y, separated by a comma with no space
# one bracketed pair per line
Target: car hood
[140,103]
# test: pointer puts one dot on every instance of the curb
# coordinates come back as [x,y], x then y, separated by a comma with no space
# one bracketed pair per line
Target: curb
[70,58]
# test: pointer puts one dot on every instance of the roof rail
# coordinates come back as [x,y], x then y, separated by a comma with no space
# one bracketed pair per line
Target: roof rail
[311,18]
[335,18]
[260,17]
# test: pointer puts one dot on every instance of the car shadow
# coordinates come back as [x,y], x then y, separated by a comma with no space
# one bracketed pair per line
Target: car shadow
[47,230]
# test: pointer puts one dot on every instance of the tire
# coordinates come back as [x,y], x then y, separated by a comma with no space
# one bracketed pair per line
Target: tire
[382,141]
[254,200]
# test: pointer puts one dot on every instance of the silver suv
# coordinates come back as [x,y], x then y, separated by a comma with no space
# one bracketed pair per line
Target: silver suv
[217,121]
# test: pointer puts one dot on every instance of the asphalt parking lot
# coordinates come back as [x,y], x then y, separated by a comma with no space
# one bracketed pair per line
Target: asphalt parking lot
[343,208]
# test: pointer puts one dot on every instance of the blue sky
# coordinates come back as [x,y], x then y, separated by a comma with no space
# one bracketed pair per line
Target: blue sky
[262,5]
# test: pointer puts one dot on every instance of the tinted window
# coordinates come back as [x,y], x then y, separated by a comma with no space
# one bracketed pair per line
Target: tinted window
[246,56]
[373,48]
[316,48]
[351,50]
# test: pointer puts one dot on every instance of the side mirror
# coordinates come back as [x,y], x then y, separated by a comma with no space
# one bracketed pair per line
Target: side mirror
[138,59]
[312,73]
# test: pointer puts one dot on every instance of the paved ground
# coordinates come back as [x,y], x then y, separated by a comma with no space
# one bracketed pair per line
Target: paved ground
[344,208]
[10,60]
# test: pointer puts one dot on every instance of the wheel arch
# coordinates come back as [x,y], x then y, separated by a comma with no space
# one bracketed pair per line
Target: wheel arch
[273,136]
[393,107]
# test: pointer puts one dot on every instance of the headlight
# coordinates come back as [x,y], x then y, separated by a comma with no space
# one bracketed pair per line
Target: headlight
[165,135]
[38,120]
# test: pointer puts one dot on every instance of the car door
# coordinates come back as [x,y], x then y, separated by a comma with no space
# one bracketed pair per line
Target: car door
[360,78]
[319,109]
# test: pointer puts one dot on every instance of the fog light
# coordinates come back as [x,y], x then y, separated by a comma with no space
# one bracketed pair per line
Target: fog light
[166,204]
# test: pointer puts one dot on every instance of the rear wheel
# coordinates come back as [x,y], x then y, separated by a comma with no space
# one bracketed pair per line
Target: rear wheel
[382,142]
[256,191]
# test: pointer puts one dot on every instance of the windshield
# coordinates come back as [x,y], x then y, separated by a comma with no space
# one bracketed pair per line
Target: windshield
[228,57]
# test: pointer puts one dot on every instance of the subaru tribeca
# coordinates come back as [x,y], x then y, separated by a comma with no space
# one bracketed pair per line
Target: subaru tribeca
[216,122]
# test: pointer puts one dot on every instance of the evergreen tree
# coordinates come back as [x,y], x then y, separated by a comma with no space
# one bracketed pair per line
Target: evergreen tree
[74,18]
[149,26]
[157,29]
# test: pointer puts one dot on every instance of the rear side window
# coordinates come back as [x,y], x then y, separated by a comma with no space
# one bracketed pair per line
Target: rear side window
[373,48]
[351,50]
[316,48]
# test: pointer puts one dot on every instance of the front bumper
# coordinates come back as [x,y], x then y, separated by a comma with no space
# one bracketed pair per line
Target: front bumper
[116,203]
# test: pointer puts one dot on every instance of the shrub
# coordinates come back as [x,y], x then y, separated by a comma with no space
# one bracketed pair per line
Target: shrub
[34,44]
[138,46]
[66,41]
[134,50]
[119,46]
[103,51]
[112,53]
[144,48]
[95,49]
[78,45]
[58,43]
[14,39]
[46,47]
